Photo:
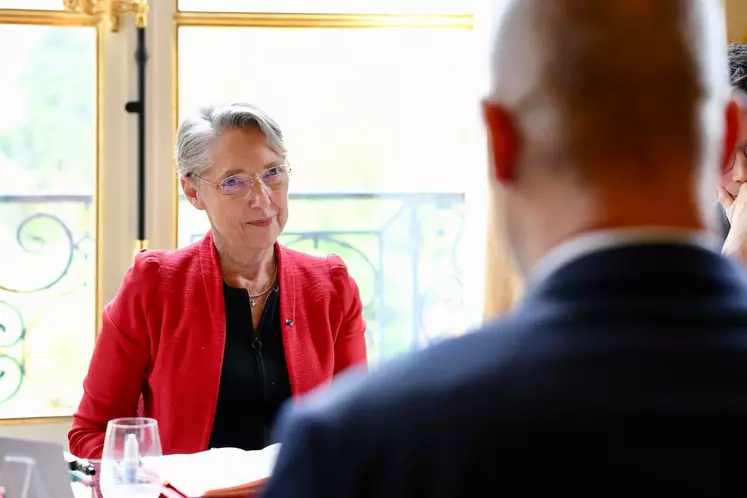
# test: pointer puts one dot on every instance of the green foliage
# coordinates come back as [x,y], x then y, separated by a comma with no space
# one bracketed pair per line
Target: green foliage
[54,148]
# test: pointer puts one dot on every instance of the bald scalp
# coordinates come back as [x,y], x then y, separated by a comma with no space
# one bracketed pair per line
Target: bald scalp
[639,81]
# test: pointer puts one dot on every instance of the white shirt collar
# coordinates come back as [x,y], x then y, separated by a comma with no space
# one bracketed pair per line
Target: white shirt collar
[590,242]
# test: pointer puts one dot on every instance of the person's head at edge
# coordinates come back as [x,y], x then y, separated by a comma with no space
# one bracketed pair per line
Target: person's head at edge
[232,164]
[735,175]
[589,136]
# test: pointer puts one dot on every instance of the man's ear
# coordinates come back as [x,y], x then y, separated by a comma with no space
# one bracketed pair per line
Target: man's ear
[736,111]
[503,141]
[192,193]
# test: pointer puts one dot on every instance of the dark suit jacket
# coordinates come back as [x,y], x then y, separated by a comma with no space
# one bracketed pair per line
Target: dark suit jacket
[622,374]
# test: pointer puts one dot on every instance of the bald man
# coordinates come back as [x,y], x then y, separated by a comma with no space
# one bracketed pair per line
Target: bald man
[624,370]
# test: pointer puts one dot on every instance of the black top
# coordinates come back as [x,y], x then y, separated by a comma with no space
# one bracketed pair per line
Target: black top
[254,378]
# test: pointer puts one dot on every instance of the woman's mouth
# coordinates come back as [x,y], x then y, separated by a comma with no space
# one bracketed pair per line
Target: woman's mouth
[261,223]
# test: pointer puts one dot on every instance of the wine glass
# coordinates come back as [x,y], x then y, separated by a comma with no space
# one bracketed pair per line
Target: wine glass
[127,442]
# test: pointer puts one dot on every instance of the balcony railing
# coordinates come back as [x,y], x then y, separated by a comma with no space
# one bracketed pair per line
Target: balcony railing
[403,249]
[47,241]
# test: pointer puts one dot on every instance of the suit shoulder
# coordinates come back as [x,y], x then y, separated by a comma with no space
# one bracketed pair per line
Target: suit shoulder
[172,264]
[432,379]
[158,270]
[177,260]
[402,407]
[147,264]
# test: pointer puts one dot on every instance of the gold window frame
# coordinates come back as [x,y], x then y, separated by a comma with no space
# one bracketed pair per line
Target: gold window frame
[287,20]
[70,19]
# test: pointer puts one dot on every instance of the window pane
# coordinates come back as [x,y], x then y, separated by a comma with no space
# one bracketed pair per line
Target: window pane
[47,217]
[32,4]
[380,127]
[331,6]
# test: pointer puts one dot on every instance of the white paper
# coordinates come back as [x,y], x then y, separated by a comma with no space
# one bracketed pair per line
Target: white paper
[217,468]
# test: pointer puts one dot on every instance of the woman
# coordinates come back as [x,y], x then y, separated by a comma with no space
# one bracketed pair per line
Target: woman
[733,205]
[211,339]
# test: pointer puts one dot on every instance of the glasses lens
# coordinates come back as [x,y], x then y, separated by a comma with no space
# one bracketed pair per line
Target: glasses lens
[234,185]
[274,176]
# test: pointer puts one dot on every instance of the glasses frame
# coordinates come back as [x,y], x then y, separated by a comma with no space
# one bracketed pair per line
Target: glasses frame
[256,177]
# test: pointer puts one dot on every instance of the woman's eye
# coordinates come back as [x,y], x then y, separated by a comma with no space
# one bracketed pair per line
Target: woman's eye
[230,182]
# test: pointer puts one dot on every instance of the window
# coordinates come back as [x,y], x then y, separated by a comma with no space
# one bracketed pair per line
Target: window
[376,105]
[48,160]
[380,128]
[378,100]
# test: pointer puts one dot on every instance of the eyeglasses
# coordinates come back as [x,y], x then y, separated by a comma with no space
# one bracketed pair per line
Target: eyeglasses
[240,185]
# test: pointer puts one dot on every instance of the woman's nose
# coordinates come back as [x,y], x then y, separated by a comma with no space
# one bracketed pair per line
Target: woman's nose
[258,196]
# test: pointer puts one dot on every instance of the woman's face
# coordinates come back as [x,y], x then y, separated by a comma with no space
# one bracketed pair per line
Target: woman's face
[736,175]
[255,219]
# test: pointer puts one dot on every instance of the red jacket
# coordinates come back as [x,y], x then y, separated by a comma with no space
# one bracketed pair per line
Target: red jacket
[162,340]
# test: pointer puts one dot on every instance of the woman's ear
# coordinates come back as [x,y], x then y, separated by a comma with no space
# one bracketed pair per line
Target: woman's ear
[502,141]
[192,193]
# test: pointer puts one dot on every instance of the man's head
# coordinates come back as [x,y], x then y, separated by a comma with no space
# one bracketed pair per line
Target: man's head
[736,174]
[605,114]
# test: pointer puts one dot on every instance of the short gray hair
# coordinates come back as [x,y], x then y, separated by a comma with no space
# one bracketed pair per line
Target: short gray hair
[196,131]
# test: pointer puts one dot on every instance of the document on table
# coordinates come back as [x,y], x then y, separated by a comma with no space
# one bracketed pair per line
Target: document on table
[218,472]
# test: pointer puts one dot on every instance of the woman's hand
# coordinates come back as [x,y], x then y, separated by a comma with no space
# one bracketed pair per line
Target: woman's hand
[736,211]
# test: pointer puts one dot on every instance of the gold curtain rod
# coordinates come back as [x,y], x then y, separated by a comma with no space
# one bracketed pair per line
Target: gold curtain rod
[296,20]
[46,18]
[111,9]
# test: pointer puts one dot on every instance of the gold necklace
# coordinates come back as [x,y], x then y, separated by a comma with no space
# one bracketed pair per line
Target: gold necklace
[266,289]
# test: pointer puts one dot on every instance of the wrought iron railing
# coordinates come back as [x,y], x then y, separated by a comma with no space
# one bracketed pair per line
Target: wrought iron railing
[43,237]
[401,248]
